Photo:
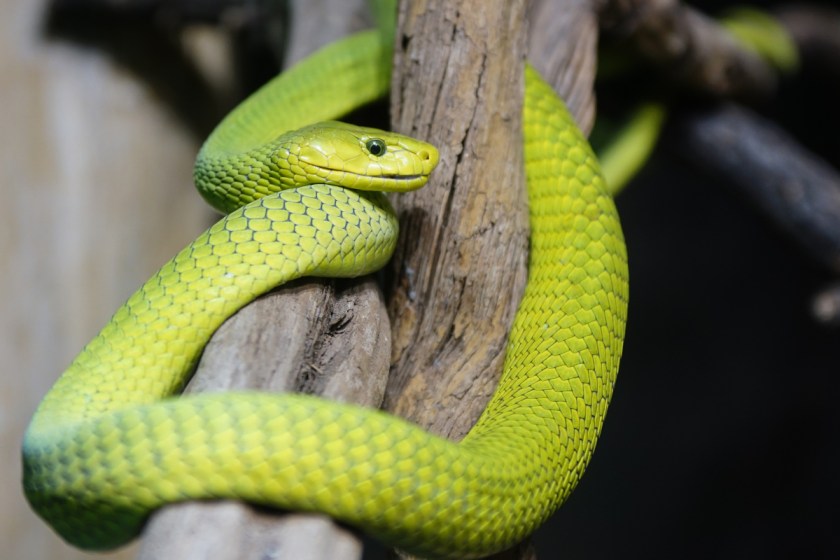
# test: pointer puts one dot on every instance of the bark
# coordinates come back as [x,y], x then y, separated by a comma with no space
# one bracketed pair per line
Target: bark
[462,258]
[563,47]
[460,268]
[306,337]
[318,337]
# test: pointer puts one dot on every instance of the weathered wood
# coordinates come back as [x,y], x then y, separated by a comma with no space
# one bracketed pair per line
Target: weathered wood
[307,338]
[563,47]
[461,266]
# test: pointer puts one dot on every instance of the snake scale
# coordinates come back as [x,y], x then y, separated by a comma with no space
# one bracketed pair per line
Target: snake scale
[110,443]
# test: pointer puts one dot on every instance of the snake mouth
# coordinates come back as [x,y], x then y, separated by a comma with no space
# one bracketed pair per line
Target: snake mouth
[403,177]
[360,181]
[390,176]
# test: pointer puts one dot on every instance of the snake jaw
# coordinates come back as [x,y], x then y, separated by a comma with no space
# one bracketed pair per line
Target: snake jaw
[365,182]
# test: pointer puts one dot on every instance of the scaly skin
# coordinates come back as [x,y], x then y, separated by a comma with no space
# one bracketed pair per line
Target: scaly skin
[106,446]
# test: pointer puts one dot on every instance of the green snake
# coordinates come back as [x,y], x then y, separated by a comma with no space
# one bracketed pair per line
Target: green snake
[109,443]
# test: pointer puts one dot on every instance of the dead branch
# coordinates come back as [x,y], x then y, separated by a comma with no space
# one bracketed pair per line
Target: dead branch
[308,337]
[688,47]
[799,192]
[568,64]
[461,265]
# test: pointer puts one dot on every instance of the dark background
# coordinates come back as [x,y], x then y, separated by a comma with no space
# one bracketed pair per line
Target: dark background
[721,441]
[722,438]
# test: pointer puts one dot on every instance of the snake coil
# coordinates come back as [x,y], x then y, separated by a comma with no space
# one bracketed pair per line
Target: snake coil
[108,445]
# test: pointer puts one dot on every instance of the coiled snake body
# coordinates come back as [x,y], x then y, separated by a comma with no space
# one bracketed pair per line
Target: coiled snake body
[106,446]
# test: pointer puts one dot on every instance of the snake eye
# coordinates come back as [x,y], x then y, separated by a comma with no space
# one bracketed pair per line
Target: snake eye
[375,146]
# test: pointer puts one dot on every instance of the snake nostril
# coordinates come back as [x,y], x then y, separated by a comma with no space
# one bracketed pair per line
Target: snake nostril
[424,155]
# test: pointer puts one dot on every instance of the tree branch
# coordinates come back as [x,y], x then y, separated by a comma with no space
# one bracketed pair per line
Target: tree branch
[307,337]
[689,47]
[795,189]
[460,267]
[473,113]
[563,47]
[460,264]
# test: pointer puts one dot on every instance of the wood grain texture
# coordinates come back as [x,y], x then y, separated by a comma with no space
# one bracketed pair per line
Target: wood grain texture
[460,268]
[563,47]
[307,337]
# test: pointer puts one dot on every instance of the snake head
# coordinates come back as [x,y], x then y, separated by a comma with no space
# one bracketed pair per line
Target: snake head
[355,157]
